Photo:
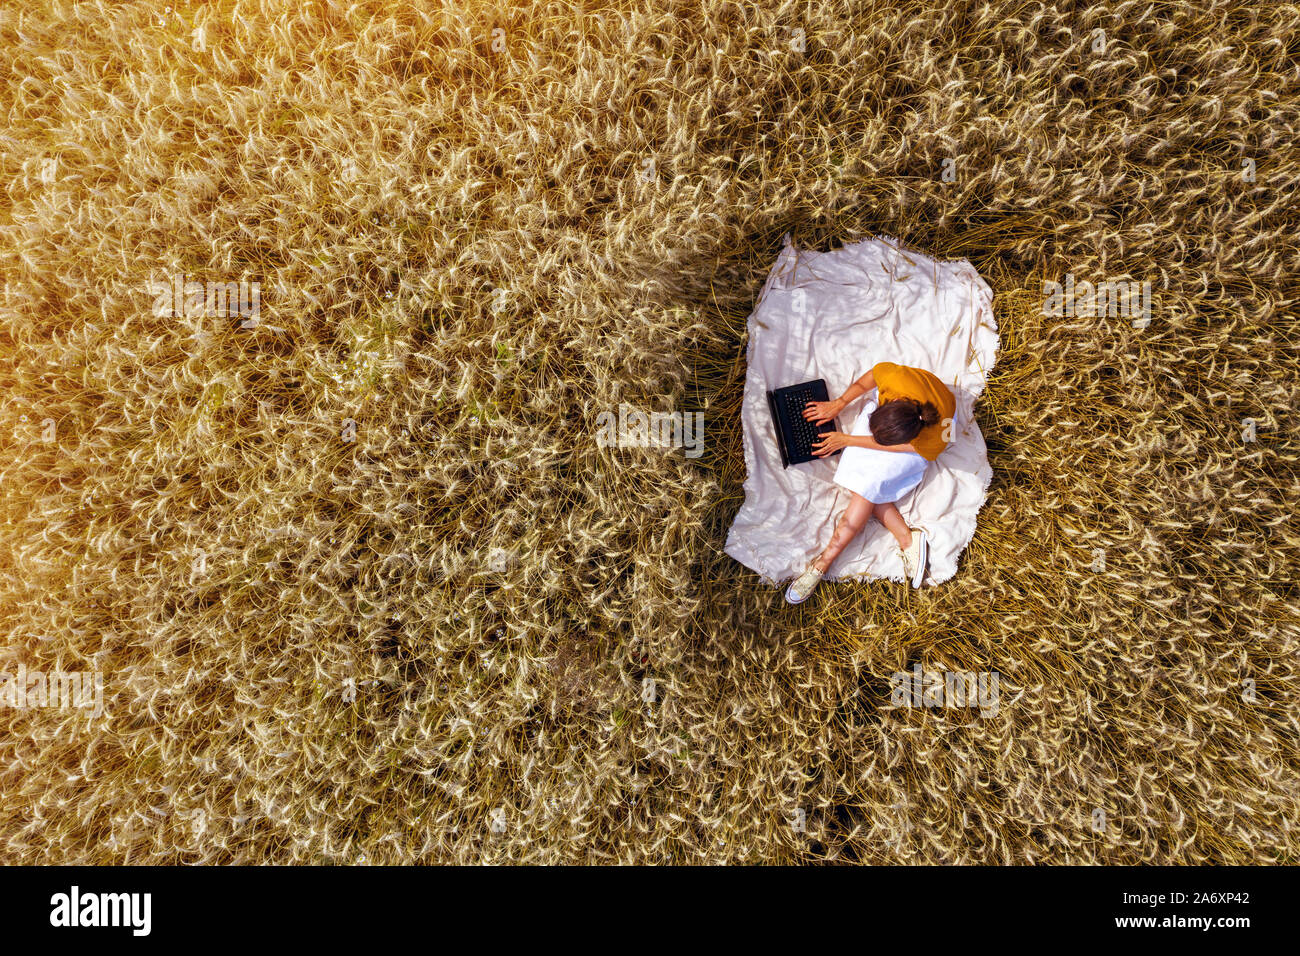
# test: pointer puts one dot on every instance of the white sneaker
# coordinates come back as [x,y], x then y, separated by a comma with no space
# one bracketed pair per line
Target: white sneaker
[915,557]
[803,586]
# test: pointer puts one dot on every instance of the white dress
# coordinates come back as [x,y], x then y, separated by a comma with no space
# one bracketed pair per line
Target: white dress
[879,476]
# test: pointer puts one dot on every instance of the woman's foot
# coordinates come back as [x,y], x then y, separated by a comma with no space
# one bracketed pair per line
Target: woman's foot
[915,557]
[803,585]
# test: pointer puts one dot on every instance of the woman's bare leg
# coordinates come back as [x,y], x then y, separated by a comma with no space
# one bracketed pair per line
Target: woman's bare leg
[892,518]
[853,520]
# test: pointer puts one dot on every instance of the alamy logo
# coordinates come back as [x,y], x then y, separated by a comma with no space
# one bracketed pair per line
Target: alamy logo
[922,688]
[103,909]
[633,428]
[177,297]
[60,689]
[1107,298]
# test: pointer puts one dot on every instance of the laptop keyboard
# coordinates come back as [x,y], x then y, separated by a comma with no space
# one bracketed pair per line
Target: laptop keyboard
[803,432]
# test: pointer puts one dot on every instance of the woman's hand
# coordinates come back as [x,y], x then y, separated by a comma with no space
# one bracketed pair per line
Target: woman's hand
[830,442]
[818,412]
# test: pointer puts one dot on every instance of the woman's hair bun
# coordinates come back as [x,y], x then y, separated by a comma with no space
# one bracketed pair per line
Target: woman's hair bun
[929,414]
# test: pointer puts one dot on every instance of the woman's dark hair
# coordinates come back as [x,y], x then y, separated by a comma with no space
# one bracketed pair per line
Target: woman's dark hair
[899,421]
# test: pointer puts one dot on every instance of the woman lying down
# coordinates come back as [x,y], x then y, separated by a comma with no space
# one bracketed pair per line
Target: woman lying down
[885,456]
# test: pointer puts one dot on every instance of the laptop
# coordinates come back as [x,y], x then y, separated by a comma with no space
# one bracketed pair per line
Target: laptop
[795,435]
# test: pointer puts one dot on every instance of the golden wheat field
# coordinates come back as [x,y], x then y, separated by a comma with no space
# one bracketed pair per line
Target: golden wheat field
[361,586]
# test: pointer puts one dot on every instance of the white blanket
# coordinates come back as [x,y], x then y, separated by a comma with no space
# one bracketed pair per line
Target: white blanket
[834,315]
